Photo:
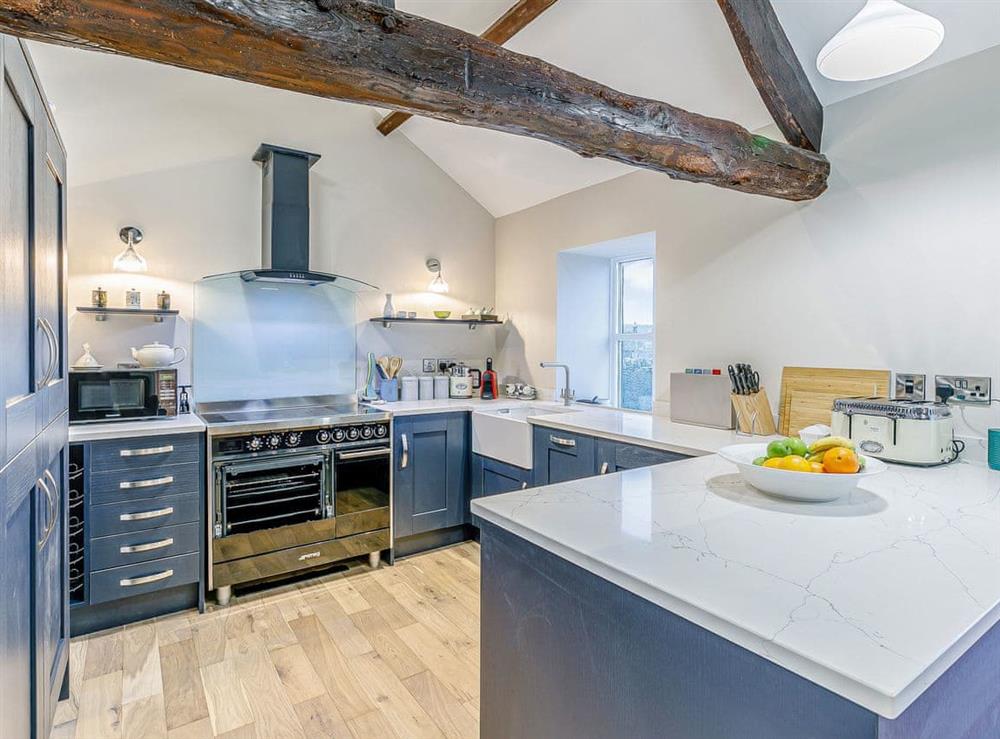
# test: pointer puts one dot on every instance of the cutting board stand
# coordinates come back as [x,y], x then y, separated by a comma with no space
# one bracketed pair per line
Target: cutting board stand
[748,405]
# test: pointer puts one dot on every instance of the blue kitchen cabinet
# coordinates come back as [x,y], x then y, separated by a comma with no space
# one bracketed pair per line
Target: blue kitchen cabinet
[560,456]
[615,456]
[430,484]
[491,477]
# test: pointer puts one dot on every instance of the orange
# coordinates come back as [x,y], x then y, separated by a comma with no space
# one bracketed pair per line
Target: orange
[816,467]
[775,463]
[842,460]
[795,463]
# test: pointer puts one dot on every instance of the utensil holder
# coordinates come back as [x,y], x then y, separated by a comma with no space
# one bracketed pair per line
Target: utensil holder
[753,414]
[388,390]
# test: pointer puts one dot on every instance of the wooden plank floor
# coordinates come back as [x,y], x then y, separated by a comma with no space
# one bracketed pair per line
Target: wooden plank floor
[387,653]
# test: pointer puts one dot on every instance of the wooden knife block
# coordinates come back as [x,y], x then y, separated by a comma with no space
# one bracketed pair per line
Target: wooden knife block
[745,407]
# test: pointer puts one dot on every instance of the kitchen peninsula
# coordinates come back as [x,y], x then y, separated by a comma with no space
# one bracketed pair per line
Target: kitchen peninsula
[676,601]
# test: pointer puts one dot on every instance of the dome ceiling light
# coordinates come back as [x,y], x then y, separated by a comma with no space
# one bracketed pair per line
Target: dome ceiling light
[885,37]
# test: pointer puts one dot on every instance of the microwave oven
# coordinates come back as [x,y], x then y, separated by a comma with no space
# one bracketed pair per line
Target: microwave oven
[122,395]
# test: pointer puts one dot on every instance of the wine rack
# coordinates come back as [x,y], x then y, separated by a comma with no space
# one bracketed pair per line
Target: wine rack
[77,527]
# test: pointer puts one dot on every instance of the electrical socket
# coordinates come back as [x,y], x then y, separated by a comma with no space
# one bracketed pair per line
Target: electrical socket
[430,366]
[910,386]
[442,364]
[962,389]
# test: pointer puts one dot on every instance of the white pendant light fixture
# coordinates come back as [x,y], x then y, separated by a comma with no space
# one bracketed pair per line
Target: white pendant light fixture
[130,260]
[885,37]
[438,285]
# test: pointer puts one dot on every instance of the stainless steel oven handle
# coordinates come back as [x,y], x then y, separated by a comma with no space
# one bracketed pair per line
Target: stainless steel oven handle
[148,547]
[366,454]
[130,484]
[128,582]
[562,442]
[146,452]
[146,515]
[404,458]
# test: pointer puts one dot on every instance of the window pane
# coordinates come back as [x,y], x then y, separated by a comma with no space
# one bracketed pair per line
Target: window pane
[636,296]
[635,375]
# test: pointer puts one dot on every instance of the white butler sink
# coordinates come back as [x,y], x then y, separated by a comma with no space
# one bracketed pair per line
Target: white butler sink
[505,434]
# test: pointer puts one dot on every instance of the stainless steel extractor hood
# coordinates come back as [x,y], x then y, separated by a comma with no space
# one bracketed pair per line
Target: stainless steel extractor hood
[285,223]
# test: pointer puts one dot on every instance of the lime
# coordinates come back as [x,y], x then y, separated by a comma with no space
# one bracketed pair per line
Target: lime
[779,448]
[797,446]
[760,461]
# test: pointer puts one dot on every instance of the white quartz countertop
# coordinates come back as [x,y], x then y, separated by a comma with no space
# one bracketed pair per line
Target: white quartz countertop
[183,424]
[872,597]
[633,428]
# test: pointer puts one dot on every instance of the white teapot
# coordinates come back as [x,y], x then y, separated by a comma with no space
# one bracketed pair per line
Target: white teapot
[158,355]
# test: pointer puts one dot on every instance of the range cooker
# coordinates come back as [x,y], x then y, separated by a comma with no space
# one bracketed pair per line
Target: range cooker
[296,484]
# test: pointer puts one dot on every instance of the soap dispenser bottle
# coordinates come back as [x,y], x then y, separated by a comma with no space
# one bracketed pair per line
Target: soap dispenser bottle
[488,383]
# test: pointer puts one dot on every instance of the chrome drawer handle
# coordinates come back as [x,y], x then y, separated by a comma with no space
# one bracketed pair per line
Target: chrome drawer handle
[129,484]
[561,441]
[404,458]
[146,452]
[128,582]
[366,454]
[310,555]
[145,515]
[604,468]
[148,547]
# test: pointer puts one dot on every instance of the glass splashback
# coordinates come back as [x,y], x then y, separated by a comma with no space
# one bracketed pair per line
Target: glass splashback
[257,340]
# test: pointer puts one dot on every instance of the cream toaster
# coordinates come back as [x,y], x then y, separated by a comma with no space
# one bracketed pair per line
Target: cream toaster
[905,431]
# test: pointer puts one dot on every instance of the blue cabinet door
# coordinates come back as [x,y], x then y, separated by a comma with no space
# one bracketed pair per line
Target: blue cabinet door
[51,572]
[615,456]
[431,472]
[559,456]
[20,489]
[491,477]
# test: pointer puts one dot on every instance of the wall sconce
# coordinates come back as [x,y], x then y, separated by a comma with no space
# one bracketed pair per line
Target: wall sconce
[438,285]
[130,260]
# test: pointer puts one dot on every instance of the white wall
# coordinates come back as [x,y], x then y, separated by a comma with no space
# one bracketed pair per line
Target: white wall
[583,325]
[896,266]
[169,151]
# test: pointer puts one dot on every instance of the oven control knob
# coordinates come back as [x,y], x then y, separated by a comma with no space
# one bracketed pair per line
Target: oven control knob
[323,436]
[255,444]
[353,433]
[367,432]
[274,441]
[292,438]
[381,430]
[339,435]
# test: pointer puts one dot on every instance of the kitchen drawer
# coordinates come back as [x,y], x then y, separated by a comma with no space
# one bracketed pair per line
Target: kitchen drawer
[140,515]
[142,546]
[561,456]
[145,451]
[615,456]
[298,558]
[137,484]
[143,577]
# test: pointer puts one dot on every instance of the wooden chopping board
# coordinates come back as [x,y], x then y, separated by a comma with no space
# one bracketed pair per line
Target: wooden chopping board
[807,393]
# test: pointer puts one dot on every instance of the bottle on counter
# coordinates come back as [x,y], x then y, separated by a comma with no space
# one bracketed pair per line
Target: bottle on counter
[388,311]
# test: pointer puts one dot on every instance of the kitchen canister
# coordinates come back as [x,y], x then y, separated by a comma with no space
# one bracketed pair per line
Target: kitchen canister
[388,390]
[426,385]
[410,391]
[442,387]
[993,449]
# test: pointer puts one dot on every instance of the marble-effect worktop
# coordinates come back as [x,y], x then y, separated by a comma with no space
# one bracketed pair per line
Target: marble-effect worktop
[872,597]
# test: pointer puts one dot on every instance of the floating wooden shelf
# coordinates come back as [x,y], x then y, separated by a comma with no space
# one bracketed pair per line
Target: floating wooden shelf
[471,323]
[101,314]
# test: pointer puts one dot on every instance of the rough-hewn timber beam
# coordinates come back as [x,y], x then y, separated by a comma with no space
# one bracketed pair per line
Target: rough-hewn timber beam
[775,70]
[360,52]
[503,30]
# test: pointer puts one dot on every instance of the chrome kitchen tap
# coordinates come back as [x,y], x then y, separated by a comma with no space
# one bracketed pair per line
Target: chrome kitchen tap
[567,394]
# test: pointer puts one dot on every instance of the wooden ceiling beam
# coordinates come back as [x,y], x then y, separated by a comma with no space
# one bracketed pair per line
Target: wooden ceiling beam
[775,70]
[503,30]
[360,52]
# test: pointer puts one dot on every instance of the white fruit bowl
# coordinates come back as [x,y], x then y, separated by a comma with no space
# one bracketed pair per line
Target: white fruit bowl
[806,486]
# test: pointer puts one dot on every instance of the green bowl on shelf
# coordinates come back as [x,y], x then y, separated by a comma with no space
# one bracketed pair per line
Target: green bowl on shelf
[442,313]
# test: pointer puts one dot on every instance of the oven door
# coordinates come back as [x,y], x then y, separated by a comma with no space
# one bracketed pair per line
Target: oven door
[361,489]
[111,396]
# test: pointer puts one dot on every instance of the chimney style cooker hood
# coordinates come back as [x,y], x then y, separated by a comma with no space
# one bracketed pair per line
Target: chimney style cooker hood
[285,223]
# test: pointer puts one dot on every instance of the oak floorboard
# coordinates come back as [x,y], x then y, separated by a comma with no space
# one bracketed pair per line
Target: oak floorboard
[386,642]
[145,718]
[228,706]
[100,714]
[274,717]
[183,691]
[448,712]
[297,673]
[104,653]
[140,662]
[320,717]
